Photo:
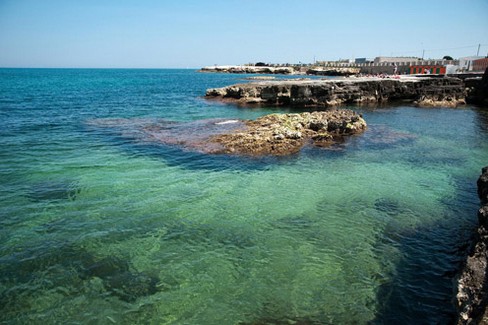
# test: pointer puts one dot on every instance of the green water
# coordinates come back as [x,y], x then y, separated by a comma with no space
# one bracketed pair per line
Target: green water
[98,227]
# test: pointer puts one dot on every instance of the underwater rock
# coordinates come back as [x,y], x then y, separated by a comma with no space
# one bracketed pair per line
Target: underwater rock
[130,286]
[53,191]
[67,268]
[198,234]
[381,136]
[106,267]
[388,206]
[119,280]
[192,136]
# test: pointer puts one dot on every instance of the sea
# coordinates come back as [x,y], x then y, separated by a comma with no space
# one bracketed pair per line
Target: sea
[100,225]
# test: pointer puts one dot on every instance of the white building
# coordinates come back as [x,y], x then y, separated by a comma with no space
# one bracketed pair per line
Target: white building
[392,59]
[452,69]
[466,63]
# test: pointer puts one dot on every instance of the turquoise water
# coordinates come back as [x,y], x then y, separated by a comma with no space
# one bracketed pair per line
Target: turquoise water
[99,226]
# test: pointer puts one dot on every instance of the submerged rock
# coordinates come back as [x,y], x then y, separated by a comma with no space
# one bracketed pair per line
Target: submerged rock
[275,134]
[53,191]
[65,268]
[119,280]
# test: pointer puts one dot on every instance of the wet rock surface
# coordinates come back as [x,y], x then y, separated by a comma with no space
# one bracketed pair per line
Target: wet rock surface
[479,90]
[324,93]
[472,296]
[275,134]
[281,134]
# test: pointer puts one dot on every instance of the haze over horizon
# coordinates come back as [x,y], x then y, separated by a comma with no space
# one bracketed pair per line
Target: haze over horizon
[170,34]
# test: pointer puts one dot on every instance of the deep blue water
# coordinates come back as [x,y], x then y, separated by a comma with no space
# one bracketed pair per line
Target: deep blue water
[99,226]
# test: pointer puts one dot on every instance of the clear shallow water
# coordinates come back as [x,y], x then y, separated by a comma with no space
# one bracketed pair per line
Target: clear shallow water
[97,226]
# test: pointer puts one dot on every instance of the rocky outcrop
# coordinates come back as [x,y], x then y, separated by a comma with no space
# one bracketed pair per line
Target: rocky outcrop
[275,134]
[282,134]
[422,91]
[478,89]
[472,296]
[248,69]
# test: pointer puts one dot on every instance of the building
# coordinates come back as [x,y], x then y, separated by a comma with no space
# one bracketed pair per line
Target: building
[427,69]
[466,63]
[397,60]
[480,64]
[452,68]
[363,60]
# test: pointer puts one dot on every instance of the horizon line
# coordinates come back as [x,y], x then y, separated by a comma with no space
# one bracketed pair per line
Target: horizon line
[105,68]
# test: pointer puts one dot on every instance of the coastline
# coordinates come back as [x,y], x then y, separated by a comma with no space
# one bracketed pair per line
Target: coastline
[472,284]
[446,91]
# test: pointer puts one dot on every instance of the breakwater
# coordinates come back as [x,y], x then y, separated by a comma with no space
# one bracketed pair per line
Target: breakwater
[249,69]
[472,293]
[315,93]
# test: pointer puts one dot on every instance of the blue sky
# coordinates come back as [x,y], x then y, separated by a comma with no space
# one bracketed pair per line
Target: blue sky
[186,33]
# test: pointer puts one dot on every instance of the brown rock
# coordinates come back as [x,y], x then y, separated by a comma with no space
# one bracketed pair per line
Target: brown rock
[282,134]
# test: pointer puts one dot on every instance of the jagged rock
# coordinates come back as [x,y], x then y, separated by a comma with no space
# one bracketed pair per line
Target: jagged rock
[275,134]
[478,89]
[281,134]
[248,69]
[423,91]
[472,296]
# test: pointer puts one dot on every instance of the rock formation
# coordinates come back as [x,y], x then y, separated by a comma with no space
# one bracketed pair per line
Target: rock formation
[322,93]
[275,134]
[478,89]
[472,293]
[248,69]
[281,134]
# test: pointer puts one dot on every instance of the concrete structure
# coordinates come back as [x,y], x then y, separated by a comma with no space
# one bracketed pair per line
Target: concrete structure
[480,64]
[397,60]
[451,68]
[363,60]
[466,63]
[427,69]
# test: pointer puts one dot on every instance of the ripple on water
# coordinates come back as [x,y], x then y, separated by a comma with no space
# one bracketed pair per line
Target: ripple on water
[114,220]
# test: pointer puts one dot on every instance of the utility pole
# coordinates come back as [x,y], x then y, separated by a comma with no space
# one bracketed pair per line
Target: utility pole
[478,52]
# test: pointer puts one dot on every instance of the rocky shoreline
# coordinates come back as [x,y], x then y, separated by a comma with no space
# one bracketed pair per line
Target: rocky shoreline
[472,295]
[249,69]
[446,91]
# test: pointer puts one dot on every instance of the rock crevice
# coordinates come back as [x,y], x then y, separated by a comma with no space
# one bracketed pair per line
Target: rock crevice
[472,295]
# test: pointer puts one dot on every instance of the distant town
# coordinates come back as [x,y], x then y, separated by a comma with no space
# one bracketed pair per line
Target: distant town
[379,65]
